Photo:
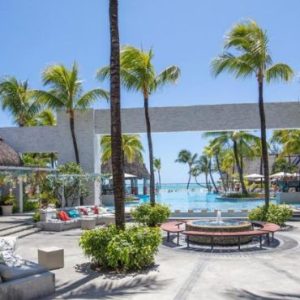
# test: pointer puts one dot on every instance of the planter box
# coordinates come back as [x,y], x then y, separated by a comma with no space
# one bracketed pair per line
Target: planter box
[6,210]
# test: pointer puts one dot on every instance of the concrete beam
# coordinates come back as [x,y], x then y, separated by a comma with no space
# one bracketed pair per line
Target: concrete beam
[244,116]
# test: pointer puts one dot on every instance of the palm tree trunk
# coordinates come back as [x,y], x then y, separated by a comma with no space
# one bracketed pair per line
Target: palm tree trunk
[211,178]
[159,178]
[72,128]
[115,115]
[189,180]
[220,173]
[264,147]
[150,147]
[206,181]
[239,168]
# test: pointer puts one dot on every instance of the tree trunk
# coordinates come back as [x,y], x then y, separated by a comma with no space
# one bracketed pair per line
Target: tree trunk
[220,173]
[115,115]
[72,128]
[190,177]
[264,147]
[239,168]
[206,181]
[159,178]
[211,178]
[150,147]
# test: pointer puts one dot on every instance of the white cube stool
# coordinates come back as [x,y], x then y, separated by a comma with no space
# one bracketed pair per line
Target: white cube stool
[88,223]
[51,257]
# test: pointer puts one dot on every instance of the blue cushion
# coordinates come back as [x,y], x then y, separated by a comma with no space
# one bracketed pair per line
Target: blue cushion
[73,213]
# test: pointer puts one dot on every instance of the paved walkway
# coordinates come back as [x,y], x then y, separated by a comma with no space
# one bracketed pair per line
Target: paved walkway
[180,274]
[14,219]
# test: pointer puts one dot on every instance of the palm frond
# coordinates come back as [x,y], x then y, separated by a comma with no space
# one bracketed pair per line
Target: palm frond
[279,71]
[90,97]
[169,75]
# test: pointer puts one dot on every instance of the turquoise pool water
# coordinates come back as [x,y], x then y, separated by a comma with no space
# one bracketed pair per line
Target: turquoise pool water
[177,197]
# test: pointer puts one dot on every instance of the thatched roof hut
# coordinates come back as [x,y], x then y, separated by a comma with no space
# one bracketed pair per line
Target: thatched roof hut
[136,168]
[8,156]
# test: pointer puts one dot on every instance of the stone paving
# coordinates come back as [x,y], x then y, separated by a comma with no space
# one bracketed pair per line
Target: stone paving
[179,273]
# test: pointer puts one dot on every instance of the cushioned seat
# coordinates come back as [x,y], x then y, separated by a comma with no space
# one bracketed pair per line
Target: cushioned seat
[27,269]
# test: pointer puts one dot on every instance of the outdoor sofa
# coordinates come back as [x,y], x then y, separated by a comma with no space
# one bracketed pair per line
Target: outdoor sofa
[21,279]
[51,222]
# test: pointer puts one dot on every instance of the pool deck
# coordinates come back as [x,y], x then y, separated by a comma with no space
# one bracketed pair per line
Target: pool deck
[179,274]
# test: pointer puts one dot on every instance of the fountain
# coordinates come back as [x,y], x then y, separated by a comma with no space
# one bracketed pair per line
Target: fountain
[219,217]
[219,225]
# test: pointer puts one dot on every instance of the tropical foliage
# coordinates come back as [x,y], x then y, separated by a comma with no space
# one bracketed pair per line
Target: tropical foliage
[277,214]
[131,145]
[66,92]
[122,250]
[17,98]
[157,167]
[138,74]
[246,53]
[186,157]
[150,215]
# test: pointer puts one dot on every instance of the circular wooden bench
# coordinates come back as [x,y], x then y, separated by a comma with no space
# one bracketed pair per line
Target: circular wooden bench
[238,235]
[172,227]
[265,226]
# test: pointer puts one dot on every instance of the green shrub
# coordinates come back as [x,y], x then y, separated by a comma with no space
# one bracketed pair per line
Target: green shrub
[149,215]
[30,205]
[8,199]
[130,249]
[37,216]
[277,214]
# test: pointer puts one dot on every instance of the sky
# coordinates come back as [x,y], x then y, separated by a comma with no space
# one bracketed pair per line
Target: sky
[35,34]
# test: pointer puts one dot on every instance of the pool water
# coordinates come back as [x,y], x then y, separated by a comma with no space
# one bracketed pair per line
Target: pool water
[225,223]
[197,200]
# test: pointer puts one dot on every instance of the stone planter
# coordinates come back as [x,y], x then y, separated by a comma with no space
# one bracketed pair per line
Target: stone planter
[6,210]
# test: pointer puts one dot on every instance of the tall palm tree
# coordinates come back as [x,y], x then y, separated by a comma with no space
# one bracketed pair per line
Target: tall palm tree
[66,92]
[241,142]
[157,166]
[17,98]
[186,157]
[131,145]
[115,116]
[250,42]
[138,74]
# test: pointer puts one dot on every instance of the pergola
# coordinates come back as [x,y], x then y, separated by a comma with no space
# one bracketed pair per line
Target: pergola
[91,123]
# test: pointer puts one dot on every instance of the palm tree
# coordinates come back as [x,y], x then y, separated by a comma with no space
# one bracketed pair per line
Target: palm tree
[217,149]
[66,92]
[45,118]
[241,142]
[204,166]
[186,157]
[131,145]
[17,98]
[157,166]
[115,116]
[138,74]
[250,42]
[209,153]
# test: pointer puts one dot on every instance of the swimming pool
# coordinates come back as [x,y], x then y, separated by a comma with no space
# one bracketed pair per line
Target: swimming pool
[198,199]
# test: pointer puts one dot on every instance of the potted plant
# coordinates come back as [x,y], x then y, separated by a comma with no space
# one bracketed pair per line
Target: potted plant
[7,204]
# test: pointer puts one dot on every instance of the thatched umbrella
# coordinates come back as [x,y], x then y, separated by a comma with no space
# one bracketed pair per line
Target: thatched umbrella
[8,156]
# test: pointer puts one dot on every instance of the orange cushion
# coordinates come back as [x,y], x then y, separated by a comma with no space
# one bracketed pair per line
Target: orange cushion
[63,216]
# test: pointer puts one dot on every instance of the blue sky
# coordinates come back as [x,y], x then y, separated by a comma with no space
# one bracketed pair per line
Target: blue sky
[190,33]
